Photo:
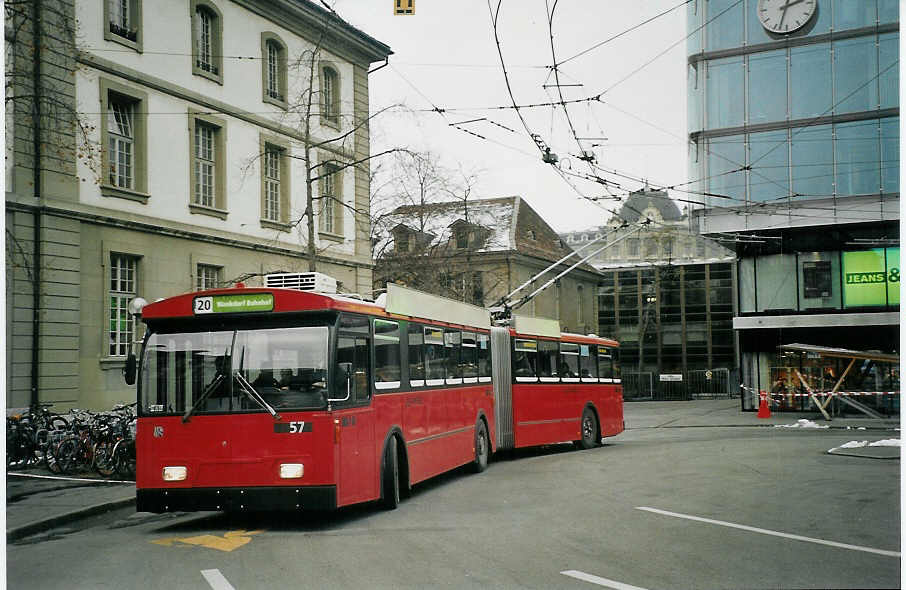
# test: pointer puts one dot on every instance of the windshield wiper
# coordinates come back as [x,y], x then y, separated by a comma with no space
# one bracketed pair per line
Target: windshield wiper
[250,391]
[207,392]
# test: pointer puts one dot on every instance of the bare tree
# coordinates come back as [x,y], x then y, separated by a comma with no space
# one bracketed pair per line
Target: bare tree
[425,234]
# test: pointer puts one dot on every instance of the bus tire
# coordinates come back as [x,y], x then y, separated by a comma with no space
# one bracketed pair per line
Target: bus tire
[589,426]
[390,476]
[482,447]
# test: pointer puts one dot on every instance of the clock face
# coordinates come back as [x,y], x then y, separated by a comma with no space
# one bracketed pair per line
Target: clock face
[785,16]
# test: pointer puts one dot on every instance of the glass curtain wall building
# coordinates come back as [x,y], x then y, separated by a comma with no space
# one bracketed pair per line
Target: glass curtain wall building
[794,144]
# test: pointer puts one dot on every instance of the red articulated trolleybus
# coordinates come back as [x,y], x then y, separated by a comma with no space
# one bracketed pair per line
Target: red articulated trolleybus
[284,399]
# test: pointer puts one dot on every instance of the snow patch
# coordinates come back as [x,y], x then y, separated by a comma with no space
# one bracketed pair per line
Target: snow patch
[857,444]
[802,423]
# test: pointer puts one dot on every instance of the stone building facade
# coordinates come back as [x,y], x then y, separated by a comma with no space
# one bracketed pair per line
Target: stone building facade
[154,148]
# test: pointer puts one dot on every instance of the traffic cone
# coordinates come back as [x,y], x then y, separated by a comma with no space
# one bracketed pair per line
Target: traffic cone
[763,410]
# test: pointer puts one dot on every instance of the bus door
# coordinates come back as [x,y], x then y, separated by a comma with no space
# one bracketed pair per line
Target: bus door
[354,423]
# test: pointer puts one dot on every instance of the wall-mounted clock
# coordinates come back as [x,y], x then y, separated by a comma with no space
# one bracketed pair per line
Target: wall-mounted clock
[785,16]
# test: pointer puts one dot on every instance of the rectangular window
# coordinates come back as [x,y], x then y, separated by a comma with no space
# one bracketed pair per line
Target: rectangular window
[569,361]
[725,93]
[386,354]
[525,360]
[548,356]
[121,137]
[816,278]
[205,165]
[207,277]
[331,201]
[122,290]
[434,356]
[120,12]
[416,355]
[484,358]
[272,183]
[588,365]
[857,152]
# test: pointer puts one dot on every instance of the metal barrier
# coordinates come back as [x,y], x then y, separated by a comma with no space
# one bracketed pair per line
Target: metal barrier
[712,384]
[721,383]
[637,386]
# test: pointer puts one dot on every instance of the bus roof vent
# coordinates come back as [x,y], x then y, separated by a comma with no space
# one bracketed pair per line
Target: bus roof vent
[302,281]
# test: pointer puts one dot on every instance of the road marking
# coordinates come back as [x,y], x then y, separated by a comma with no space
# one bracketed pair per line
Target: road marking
[773,533]
[216,580]
[228,542]
[599,581]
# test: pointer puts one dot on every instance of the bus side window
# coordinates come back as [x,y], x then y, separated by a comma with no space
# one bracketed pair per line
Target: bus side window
[605,363]
[525,360]
[469,357]
[416,355]
[434,356]
[569,360]
[355,352]
[452,351]
[548,353]
[616,363]
[588,362]
[484,357]
[386,355]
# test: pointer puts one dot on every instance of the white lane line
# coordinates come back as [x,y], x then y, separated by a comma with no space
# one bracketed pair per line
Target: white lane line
[599,581]
[773,533]
[216,580]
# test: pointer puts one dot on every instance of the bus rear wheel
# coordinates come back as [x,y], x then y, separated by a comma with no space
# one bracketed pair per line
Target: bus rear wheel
[390,476]
[589,429]
[482,448]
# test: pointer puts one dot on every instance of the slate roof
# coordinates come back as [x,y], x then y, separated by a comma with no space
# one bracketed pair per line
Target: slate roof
[512,225]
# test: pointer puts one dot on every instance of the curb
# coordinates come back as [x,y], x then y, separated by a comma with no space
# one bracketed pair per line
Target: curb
[14,534]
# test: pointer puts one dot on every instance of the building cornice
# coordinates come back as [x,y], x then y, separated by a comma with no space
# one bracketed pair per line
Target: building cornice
[821,320]
[171,229]
[311,21]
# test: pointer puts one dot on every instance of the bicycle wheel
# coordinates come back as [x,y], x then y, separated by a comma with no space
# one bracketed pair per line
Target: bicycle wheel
[124,458]
[66,455]
[104,462]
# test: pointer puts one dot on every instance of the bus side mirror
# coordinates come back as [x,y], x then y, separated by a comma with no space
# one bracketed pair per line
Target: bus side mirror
[129,370]
[344,375]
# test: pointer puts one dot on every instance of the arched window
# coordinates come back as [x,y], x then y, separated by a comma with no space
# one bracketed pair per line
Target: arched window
[273,69]
[207,41]
[330,95]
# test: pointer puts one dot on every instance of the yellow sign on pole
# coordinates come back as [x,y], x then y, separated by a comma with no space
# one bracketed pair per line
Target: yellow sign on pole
[403,6]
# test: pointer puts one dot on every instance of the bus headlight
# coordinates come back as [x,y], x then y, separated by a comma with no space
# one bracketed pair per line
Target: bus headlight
[178,473]
[291,470]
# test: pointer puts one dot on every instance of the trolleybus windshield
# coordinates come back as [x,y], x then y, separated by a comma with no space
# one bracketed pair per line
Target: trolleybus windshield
[234,371]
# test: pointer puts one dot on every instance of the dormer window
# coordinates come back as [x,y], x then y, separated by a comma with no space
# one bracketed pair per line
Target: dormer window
[402,242]
[462,239]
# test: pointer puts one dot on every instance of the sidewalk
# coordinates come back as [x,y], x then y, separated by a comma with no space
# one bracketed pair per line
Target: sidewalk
[35,504]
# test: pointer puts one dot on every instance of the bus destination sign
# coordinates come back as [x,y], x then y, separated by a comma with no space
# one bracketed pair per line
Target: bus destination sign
[233,303]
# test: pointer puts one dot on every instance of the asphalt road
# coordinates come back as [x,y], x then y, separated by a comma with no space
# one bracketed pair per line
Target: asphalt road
[548,518]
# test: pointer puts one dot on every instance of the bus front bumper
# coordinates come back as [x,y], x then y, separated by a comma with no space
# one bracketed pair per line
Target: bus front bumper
[282,498]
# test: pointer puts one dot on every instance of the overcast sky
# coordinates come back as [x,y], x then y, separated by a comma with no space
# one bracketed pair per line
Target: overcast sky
[445,56]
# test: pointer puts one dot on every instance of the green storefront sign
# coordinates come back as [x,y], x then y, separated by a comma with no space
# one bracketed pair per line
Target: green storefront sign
[233,303]
[871,278]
